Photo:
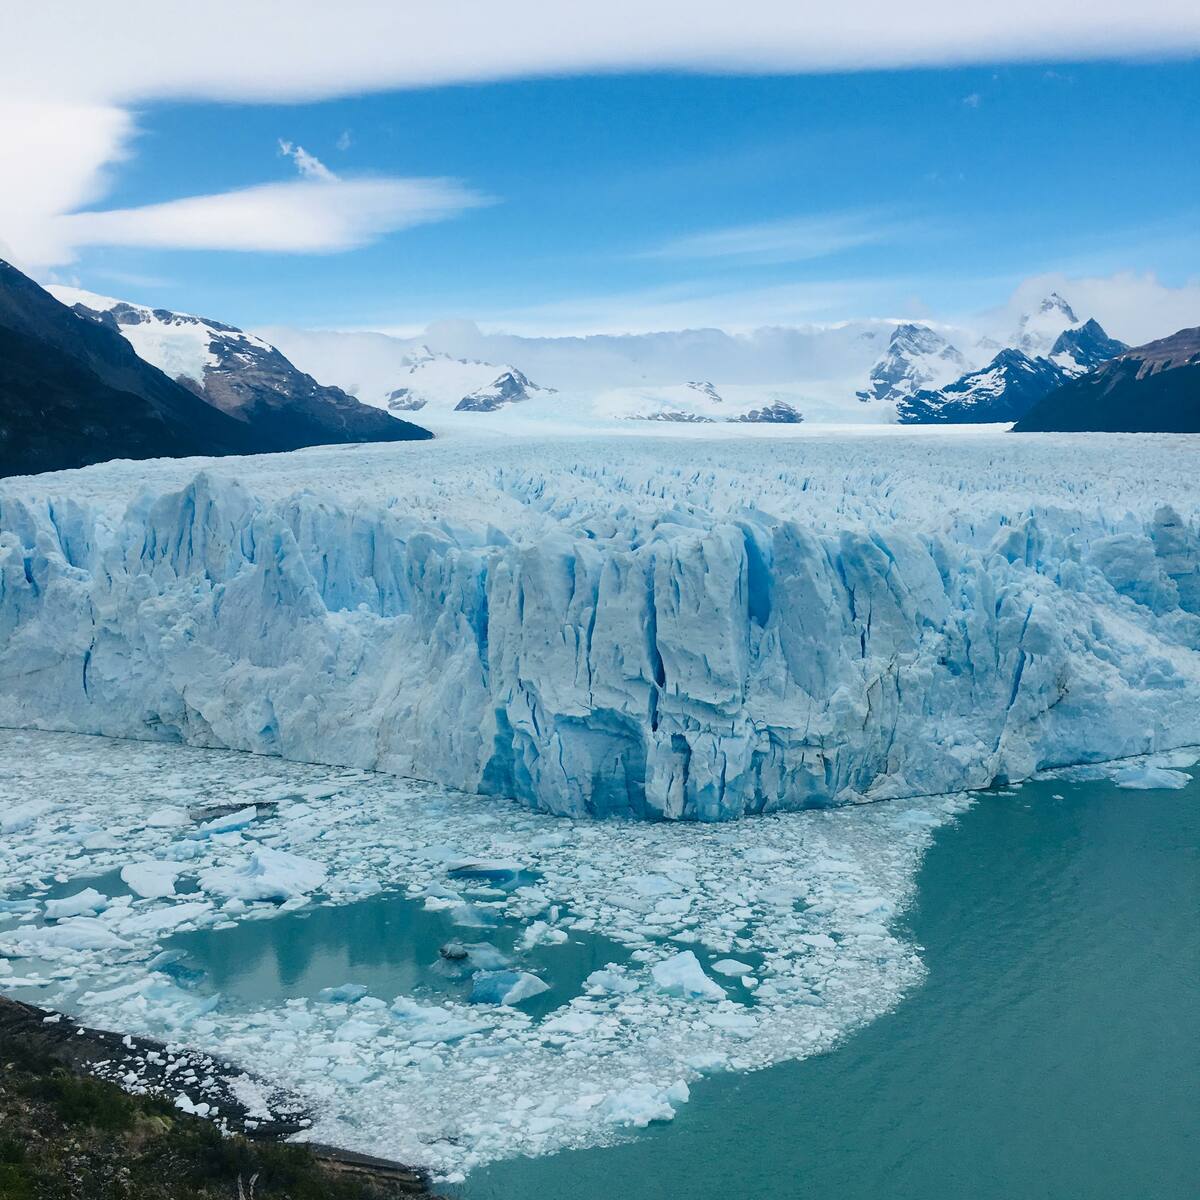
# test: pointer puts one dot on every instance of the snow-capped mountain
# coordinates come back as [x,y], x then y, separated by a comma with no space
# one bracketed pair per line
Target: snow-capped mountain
[1084,347]
[1037,331]
[1017,379]
[240,374]
[511,387]
[1004,390]
[829,360]
[702,402]
[74,393]
[917,357]
[778,412]
[440,383]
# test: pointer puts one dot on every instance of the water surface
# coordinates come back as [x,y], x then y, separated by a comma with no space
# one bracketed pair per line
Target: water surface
[1052,1054]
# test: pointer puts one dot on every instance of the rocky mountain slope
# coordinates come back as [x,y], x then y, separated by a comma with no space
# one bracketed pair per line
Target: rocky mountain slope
[242,375]
[73,392]
[1150,389]
[917,357]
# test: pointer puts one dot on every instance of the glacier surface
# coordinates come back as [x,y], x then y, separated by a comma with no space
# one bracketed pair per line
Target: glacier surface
[678,628]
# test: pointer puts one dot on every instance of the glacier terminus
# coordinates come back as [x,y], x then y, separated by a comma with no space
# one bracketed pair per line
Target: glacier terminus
[682,629]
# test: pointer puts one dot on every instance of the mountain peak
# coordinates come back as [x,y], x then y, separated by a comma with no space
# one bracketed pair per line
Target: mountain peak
[916,357]
[1054,303]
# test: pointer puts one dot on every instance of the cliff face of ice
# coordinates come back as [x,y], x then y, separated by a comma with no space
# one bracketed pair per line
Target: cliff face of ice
[701,633]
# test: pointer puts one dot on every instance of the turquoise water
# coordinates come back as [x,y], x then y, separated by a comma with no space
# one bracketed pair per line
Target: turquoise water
[1052,1054]
[387,943]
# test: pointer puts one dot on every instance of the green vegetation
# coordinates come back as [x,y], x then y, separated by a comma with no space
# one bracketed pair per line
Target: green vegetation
[65,1136]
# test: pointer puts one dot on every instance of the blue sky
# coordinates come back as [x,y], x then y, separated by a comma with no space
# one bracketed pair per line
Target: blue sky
[641,200]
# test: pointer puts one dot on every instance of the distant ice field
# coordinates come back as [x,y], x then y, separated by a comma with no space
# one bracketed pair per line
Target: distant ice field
[688,627]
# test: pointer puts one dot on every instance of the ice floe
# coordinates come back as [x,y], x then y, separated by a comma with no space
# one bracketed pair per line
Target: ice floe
[801,902]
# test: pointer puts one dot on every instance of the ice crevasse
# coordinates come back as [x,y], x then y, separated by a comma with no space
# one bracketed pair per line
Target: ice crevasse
[704,631]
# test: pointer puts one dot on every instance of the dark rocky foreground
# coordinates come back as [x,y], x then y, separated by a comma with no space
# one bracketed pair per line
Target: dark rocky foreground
[91,1115]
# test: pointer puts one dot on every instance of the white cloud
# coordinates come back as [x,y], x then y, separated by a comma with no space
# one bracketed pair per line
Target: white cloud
[228,49]
[797,239]
[54,157]
[309,165]
[1135,307]
[310,216]
[67,83]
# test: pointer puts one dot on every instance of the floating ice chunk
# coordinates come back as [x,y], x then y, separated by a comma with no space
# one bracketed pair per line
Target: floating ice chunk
[653,885]
[505,987]
[423,1023]
[871,906]
[1178,760]
[158,921]
[266,875]
[740,1024]
[1147,778]
[167,818]
[731,966]
[75,933]
[606,980]
[641,1104]
[483,956]
[540,932]
[229,823]
[102,839]
[85,903]
[485,868]
[763,854]
[682,975]
[346,993]
[21,816]
[153,879]
[351,1073]
[571,1023]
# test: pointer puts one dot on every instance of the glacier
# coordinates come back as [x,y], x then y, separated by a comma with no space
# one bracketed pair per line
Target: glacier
[670,628]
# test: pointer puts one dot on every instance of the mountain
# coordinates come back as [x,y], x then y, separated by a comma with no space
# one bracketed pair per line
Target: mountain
[510,387]
[1150,389]
[830,361]
[1004,390]
[242,375]
[778,412]
[1015,380]
[917,357]
[1084,347]
[1037,331]
[73,392]
[440,383]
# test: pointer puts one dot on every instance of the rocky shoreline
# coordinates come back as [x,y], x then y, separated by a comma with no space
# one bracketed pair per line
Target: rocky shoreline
[80,1109]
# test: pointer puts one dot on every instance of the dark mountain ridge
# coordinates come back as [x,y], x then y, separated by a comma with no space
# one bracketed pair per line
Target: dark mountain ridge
[1153,388]
[73,392]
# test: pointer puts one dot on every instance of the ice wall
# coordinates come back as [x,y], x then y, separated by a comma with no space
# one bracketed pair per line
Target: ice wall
[740,630]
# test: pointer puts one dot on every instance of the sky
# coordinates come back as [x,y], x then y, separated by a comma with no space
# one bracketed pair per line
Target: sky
[765,164]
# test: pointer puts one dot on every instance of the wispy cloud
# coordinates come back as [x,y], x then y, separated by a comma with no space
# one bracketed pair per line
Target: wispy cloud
[306,216]
[796,239]
[309,165]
